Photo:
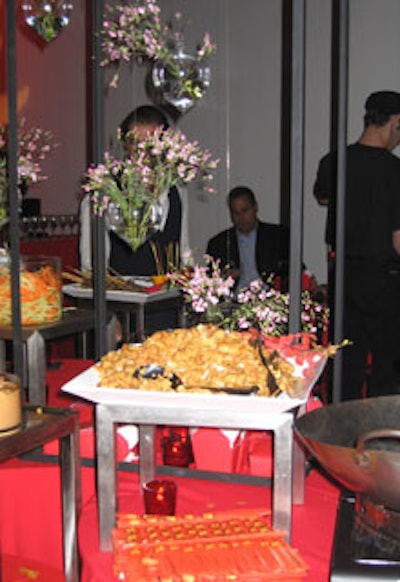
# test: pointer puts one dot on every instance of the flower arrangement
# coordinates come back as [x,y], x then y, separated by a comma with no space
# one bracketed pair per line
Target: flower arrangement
[268,310]
[161,160]
[135,31]
[206,289]
[209,293]
[34,145]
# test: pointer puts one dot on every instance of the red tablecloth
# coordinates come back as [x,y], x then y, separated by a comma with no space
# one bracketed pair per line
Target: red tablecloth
[313,523]
[58,374]
[19,569]
[30,510]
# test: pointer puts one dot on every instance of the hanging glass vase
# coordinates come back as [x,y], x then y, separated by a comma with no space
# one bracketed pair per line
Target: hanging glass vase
[182,79]
[47,17]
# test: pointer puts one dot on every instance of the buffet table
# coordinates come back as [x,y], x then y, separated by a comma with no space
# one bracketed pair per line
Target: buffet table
[148,409]
[128,302]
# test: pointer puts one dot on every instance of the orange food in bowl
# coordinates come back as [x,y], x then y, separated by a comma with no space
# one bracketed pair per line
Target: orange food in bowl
[40,288]
[160,279]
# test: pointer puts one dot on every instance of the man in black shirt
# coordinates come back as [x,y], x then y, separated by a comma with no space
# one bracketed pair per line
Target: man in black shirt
[372,247]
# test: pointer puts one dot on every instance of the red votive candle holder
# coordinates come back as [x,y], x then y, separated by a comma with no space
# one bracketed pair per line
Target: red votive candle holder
[177,448]
[159,497]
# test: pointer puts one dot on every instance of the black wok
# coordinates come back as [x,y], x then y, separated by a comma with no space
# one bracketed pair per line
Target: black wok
[358,443]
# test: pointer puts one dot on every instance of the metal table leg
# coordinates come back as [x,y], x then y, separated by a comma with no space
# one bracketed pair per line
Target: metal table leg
[106,475]
[181,315]
[71,502]
[140,322]
[147,453]
[299,474]
[283,467]
[112,332]
[36,365]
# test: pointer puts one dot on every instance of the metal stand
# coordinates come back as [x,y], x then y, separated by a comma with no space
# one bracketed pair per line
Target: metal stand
[148,417]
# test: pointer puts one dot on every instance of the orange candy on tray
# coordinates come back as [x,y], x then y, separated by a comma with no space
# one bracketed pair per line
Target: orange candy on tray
[237,546]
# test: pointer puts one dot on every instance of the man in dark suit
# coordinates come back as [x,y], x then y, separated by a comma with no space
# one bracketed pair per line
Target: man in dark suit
[250,249]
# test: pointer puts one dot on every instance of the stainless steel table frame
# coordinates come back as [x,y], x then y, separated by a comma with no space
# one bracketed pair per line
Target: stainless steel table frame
[146,417]
[42,425]
[73,322]
[128,303]
[151,304]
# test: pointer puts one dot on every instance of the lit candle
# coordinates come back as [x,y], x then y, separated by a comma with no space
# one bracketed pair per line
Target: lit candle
[159,497]
[176,448]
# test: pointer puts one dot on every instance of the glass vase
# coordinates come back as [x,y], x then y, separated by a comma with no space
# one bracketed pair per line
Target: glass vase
[183,79]
[47,17]
[137,225]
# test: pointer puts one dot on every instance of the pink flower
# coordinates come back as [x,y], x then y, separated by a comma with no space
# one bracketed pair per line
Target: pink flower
[160,160]
[208,291]
[34,144]
[131,32]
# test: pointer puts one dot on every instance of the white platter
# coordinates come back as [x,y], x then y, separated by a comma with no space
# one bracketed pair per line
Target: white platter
[79,292]
[85,386]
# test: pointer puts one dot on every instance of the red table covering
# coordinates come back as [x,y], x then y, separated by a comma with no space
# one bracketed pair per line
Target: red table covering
[313,523]
[19,569]
[30,510]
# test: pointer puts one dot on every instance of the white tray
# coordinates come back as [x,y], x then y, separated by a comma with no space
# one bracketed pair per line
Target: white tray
[75,290]
[85,386]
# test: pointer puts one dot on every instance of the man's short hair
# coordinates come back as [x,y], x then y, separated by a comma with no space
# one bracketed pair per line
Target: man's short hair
[379,106]
[242,192]
[143,115]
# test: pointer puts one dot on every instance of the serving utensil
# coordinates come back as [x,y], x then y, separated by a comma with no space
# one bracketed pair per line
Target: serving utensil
[153,371]
[267,362]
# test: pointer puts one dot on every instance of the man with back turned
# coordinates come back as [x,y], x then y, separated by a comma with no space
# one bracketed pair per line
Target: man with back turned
[372,247]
